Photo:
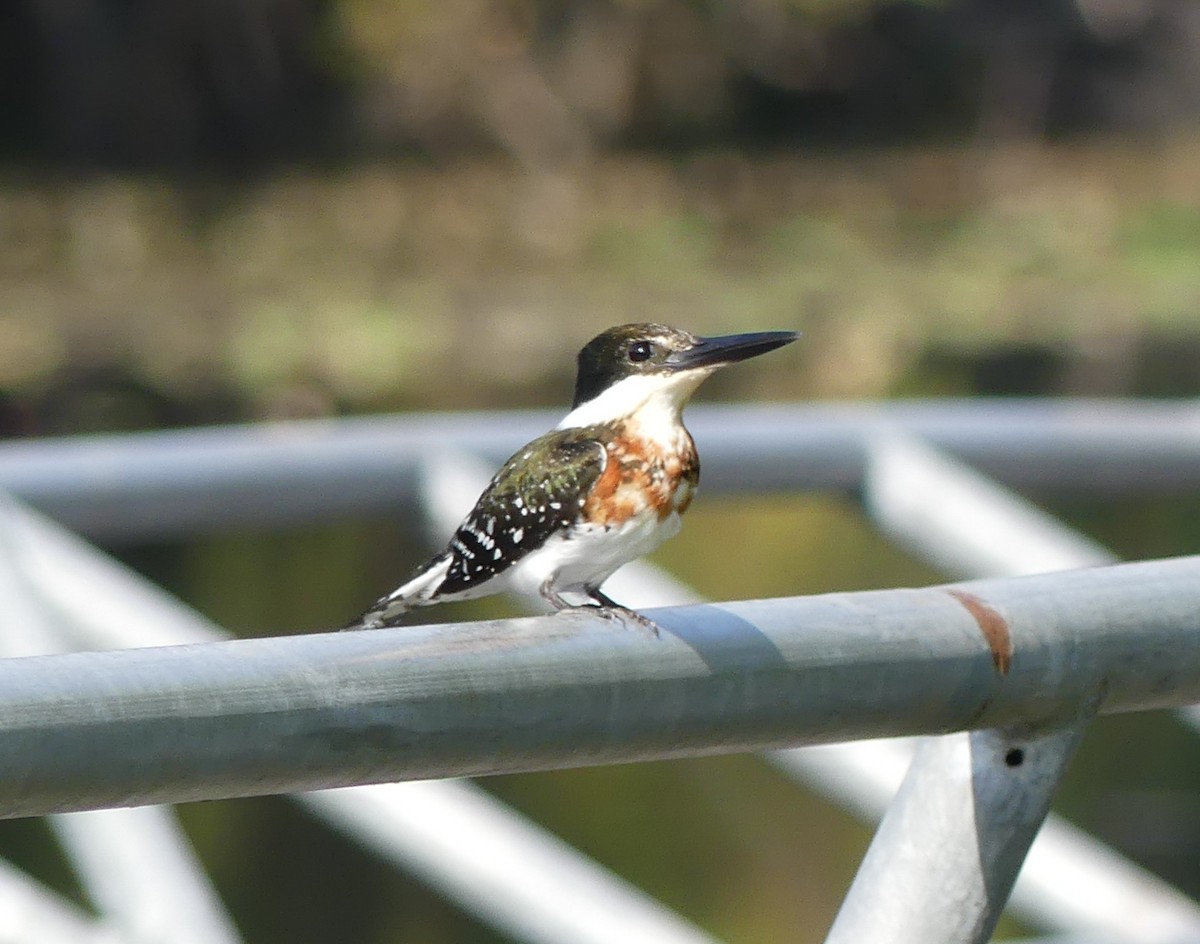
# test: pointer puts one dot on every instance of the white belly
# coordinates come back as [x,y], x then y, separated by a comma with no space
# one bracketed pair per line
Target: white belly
[589,555]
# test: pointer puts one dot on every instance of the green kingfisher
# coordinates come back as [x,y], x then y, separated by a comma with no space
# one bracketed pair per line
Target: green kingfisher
[606,486]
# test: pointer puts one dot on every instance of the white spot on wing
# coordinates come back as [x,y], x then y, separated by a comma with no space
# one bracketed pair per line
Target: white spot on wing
[518,535]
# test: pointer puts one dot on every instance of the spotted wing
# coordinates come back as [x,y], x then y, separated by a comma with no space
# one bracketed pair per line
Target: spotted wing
[537,493]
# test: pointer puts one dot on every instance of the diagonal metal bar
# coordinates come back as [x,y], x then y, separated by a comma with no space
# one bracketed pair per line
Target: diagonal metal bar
[942,864]
[30,913]
[508,871]
[139,869]
[1070,880]
[178,482]
[277,715]
[962,522]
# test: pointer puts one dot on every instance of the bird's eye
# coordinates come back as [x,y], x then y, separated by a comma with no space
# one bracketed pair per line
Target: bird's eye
[640,351]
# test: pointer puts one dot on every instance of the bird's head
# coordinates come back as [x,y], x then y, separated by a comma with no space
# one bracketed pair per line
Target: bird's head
[622,368]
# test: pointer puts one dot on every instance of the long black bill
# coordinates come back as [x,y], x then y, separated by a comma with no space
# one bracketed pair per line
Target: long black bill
[727,349]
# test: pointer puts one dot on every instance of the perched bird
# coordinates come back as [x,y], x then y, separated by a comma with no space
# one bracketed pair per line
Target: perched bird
[608,485]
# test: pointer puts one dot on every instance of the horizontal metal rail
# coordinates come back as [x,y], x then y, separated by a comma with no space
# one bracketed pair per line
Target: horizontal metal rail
[276,715]
[175,483]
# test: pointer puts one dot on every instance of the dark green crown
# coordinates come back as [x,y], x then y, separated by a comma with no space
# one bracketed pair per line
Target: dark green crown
[623,351]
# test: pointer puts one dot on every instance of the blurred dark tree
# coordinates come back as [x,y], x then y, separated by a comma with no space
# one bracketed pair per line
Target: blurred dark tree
[139,83]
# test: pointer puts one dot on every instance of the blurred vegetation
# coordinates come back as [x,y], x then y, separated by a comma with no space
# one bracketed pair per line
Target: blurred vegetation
[216,211]
[363,288]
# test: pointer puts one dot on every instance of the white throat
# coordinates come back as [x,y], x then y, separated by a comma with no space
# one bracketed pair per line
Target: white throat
[654,401]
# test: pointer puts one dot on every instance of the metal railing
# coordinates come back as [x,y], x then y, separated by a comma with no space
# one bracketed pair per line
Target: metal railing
[182,482]
[277,715]
[720,677]
[934,506]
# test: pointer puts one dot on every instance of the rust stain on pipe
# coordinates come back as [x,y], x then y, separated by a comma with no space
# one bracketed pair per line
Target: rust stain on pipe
[993,626]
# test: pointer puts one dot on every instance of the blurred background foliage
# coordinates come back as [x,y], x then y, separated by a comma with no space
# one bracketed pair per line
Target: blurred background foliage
[214,211]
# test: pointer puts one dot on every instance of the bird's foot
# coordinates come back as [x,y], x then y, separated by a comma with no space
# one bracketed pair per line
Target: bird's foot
[377,618]
[364,622]
[604,605]
[624,615]
[613,610]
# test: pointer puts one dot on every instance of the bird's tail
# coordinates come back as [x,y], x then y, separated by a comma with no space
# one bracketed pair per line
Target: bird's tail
[418,590]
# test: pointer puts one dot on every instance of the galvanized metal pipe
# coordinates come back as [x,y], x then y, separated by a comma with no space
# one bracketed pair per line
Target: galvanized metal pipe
[277,715]
[175,483]
[1070,881]
[945,857]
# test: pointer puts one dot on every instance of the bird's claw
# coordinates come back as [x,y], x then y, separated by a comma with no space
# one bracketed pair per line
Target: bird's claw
[625,616]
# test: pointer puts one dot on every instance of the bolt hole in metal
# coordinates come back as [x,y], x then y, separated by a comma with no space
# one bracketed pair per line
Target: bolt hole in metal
[1014,757]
